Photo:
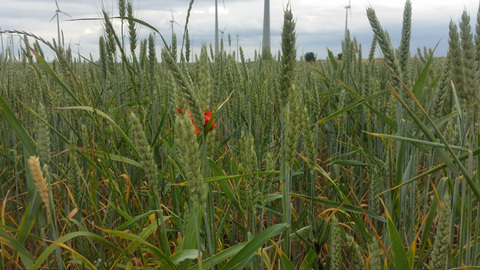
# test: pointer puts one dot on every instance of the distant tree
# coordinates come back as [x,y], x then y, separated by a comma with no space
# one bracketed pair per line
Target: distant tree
[310,57]
[339,56]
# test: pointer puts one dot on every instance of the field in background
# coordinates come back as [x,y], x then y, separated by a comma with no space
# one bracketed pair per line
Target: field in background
[162,159]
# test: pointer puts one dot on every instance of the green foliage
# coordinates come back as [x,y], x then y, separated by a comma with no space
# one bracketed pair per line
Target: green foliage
[301,169]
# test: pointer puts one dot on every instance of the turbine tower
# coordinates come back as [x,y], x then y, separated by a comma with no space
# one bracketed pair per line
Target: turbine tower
[78,50]
[237,47]
[266,30]
[58,21]
[172,22]
[1,37]
[346,17]
[216,25]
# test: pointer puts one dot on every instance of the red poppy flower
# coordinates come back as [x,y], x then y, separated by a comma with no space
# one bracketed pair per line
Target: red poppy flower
[207,116]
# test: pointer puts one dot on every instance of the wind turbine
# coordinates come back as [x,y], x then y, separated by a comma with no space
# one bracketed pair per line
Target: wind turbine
[172,22]
[78,49]
[216,25]
[349,7]
[223,31]
[58,20]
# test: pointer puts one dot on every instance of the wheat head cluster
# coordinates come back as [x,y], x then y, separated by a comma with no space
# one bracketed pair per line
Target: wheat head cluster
[149,158]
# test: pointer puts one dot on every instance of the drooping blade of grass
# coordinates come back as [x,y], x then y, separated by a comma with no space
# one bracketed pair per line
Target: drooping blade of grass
[91,162]
[400,260]
[28,145]
[25,255]
[416,141]
[29,217]
[54,76]
[238,176]
[77,255]
[348,163]
[308,261]
[186,254]
[135,220]
[323,76]
[439,122]
[442,152]
[189,240]
[160,125]
[106,116]
[29,149]
[412,251]
[429,221]
[422,78]
[286,263]
[341,193]
[216,170]
[437,168]
[140,240]
[351,106]
[67,237]
[221,256]
[209,124]
[60,135]
[118,158]
[253,245]
[428,92]
[144,24]
[343,206]
[374,110]
[457,105]
[427,132]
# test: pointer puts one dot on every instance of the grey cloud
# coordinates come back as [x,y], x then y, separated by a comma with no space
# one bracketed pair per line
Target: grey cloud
[320,24]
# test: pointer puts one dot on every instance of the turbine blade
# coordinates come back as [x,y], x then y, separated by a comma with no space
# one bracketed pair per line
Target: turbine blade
[350,7]
[65,14]
[56,3]
[56,14]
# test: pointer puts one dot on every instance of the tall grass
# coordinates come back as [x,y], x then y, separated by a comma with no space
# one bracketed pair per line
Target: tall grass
[205,162]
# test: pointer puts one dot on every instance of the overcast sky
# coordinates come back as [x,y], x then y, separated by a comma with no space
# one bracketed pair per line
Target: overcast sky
[320,23]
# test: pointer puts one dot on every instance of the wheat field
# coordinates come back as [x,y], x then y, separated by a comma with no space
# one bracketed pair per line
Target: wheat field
[161,159]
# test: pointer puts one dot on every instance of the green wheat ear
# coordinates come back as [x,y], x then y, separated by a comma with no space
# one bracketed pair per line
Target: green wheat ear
[383,40]
[140,142]
[289,55]
[335,244]
[357,261]
[186,89]
[404,49]
[188,154]
[43,136]
[441,246]
[375,256]
[132,30]
[468,95]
